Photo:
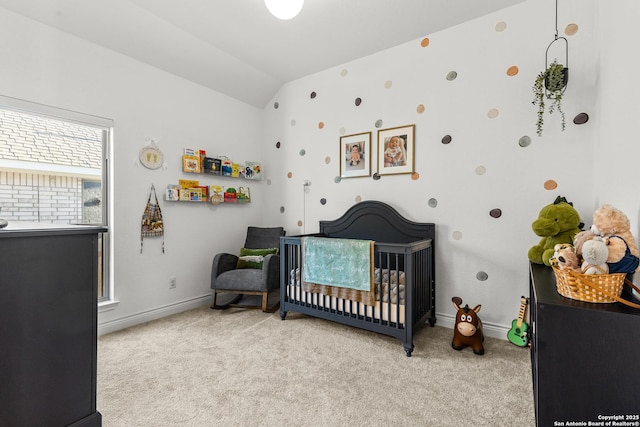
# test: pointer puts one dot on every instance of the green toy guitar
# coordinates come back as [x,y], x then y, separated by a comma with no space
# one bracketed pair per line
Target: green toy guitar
[518,333]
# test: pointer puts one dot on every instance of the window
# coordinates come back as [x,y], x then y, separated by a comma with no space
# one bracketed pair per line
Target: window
[54,169]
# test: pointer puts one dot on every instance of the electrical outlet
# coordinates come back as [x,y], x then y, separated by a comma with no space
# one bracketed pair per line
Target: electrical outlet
[172,282]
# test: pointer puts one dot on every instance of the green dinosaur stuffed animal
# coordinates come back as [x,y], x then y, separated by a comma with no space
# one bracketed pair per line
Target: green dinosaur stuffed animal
[557,223]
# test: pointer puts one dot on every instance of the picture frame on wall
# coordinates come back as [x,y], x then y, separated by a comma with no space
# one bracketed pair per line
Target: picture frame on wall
[396,147]
[355,155]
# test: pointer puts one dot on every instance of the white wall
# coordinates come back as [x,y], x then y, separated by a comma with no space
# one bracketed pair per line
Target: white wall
[47,66]
[515,175]
[44,65]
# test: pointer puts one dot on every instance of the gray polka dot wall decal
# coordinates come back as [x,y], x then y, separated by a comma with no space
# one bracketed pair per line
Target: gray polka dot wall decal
[378,123]
[481,170]
[358,102]
[495,213]
[358,199]
[457,235]
[303,152]
[344,72]
[432,203]
[501,26]
[313,95]
[446,139]
[278,144]
[525,141]
[327,160]
[323,201]
[300,223]
[375,176]
[293,122]
[276,105]
[452,75]
[269,181]
[388,84]
[337,179]
[281,209]
[581,119]
[343,131]
[482,276]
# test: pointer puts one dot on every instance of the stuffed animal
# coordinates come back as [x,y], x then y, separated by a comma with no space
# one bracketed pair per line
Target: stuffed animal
[594,256]
[565,258]
[468,328]
[557,223]
[614,227]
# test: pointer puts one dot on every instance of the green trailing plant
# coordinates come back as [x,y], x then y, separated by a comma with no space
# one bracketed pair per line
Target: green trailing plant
[549,85]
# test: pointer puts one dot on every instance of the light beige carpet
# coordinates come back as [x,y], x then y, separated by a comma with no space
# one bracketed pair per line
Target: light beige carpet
[246,368]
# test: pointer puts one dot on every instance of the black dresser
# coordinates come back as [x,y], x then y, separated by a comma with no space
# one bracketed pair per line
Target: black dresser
[585,357]
[48,326]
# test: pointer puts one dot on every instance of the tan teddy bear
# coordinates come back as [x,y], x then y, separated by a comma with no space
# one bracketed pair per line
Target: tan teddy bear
[614,227]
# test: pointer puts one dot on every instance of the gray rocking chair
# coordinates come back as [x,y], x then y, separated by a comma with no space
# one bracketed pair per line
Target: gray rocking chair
[229,273]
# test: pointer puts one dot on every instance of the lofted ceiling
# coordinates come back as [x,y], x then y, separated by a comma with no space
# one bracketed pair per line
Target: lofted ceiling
[236,47]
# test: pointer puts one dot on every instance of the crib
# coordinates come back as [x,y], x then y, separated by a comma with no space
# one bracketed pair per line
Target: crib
[404,284]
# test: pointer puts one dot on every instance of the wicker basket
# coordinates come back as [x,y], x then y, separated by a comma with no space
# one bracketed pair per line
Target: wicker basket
[597,288]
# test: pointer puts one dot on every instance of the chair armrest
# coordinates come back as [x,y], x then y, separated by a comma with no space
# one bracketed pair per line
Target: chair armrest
[271,270]
[222,262]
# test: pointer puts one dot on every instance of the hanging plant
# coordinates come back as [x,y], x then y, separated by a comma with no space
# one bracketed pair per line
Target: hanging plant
[550,85]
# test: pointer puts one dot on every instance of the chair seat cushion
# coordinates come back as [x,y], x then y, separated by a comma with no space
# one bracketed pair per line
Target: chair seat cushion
[248,279]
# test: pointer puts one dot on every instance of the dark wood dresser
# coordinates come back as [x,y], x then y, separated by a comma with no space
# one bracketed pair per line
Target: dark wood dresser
[585,357]
[48,326]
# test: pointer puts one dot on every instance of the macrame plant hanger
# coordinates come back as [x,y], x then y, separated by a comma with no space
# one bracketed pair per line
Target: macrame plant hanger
[565,71]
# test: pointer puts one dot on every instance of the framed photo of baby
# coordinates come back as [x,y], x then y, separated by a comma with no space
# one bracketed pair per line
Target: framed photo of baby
[396,150]
[355,155]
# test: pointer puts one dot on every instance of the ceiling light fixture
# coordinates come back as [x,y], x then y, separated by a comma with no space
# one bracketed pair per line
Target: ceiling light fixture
[284,9]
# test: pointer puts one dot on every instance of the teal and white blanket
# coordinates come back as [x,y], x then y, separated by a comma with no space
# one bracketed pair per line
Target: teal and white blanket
[345,263]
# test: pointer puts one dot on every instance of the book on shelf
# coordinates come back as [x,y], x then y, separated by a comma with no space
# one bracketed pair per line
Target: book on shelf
[212,165]
[216,194]
[230,195]
[252,170]
[172,193]
[191,164]
[226,167]
[243,195]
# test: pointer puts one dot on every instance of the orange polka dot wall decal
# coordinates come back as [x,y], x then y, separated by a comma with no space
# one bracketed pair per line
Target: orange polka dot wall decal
[415,176]
[457,235]
[512,71]
[343,131]
[481,170]
[289,175]
[388,84]
[571,29]
[300,223]
[320,125]
[493,113]
[501,26]
[358,199]
[425,42]
[420,109]
[550,185]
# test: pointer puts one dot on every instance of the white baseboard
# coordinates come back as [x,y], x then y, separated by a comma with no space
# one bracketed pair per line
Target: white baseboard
[154,314]
[490,329]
